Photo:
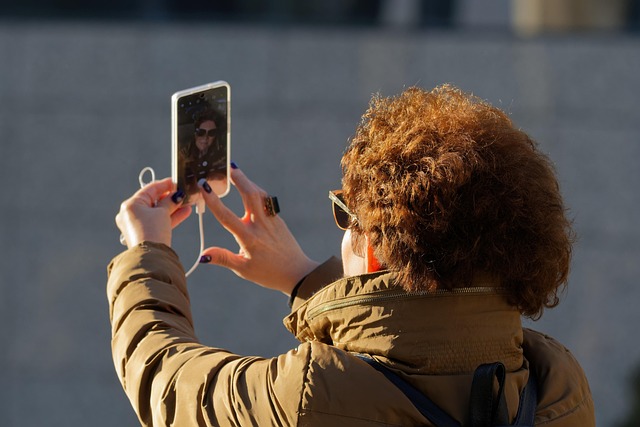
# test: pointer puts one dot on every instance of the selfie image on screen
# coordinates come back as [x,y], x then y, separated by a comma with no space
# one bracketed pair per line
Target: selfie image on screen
[202,140]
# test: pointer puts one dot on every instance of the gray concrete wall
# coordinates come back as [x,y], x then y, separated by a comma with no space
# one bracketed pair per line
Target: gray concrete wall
[85,106]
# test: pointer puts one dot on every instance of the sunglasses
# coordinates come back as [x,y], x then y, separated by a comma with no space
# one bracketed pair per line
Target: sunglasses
[341,213]
[202,132]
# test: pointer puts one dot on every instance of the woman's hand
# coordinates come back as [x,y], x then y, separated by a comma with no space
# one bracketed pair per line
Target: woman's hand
[150,214]
[269,255]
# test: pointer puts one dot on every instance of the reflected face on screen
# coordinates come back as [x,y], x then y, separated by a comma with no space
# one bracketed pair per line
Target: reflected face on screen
[205,135]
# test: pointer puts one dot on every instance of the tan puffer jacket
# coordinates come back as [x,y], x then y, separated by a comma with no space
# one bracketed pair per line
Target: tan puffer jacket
[434,341]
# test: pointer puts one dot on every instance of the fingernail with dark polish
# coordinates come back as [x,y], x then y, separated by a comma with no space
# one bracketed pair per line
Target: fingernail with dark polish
[178,197]
[233,165]
[205,259]
[204,184]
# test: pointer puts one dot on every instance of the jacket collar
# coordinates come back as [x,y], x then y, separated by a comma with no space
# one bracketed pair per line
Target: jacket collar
[425,332]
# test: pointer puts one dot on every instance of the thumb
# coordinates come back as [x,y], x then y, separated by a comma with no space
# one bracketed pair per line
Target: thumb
[224,258]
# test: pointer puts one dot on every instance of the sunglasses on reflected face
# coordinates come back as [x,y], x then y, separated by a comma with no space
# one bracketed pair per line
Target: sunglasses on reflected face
[208,132]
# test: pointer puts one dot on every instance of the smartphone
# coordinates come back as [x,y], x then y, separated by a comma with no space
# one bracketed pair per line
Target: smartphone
[200,140]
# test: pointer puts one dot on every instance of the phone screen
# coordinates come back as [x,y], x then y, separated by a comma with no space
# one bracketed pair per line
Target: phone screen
[201,139]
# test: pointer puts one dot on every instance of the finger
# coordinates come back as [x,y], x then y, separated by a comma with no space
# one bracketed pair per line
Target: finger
[224,258]
[223,214]
[172,203]
[252,195]
[154,191]
[180,215]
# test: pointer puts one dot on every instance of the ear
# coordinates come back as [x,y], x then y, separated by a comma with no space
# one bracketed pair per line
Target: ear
[372,262]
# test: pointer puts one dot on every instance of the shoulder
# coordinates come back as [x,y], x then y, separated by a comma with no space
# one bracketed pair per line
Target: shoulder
[549,357]
[340,389]
[564,397]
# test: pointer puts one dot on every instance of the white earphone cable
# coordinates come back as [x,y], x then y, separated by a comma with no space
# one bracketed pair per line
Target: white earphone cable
[200,207]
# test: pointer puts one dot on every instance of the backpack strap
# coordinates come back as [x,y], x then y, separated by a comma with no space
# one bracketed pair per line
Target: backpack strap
[430,410]
[485,409]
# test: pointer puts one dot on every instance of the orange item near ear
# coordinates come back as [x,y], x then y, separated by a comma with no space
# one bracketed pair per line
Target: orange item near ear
[373,264]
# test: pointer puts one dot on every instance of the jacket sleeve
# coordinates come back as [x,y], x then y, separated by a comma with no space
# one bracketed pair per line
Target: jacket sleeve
[172,379]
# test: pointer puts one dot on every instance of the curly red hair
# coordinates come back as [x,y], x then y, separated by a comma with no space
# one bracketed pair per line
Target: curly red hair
[445,186]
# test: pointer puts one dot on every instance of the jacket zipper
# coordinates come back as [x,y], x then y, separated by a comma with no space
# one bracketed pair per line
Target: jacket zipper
[394,295]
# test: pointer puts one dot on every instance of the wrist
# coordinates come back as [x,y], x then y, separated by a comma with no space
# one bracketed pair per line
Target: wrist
[299,276]
[135,239]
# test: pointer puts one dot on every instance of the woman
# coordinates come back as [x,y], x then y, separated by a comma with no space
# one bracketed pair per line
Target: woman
[454,229]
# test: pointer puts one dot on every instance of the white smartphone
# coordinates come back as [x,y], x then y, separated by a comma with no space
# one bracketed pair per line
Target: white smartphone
[201,138]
